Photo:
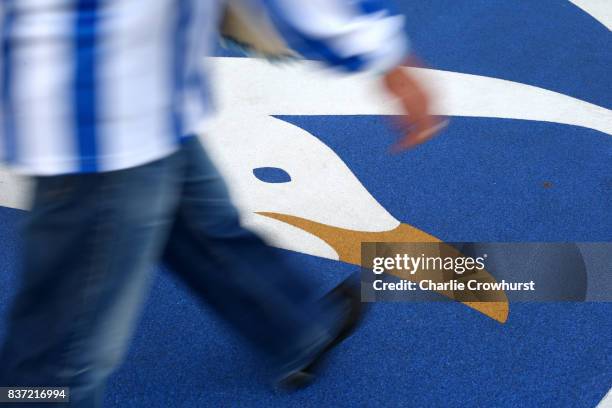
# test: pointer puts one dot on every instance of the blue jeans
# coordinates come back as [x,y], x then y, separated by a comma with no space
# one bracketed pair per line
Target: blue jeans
[91,242]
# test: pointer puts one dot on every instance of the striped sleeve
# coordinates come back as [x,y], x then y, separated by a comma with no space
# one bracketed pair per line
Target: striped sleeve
[356,35]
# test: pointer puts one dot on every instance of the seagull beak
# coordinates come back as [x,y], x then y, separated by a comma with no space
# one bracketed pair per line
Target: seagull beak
[347,244]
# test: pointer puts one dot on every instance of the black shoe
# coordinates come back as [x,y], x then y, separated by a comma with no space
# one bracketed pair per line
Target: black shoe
[349,293]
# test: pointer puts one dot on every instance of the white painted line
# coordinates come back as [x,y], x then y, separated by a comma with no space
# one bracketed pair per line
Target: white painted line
[14,190]
[607,401]
[260,88]
[600,10]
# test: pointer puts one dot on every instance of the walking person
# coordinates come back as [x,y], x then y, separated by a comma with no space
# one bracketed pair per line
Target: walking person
[100,100]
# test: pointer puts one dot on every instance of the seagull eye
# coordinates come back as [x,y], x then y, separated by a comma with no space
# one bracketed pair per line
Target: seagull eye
[271,175]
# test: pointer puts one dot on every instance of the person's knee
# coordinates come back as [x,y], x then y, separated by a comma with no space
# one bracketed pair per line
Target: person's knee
[223,226]
[218,221]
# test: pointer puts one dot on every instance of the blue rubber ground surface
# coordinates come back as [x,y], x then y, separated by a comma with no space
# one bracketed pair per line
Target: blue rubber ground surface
[482,180]
[408,354]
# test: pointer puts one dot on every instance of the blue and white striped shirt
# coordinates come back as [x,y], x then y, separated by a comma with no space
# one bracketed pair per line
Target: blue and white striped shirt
[103,85]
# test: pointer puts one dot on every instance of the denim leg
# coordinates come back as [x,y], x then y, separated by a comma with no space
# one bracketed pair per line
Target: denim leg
[237,274]
[90,243]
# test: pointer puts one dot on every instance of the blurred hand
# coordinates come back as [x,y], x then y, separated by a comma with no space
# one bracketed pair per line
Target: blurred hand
[418,123]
